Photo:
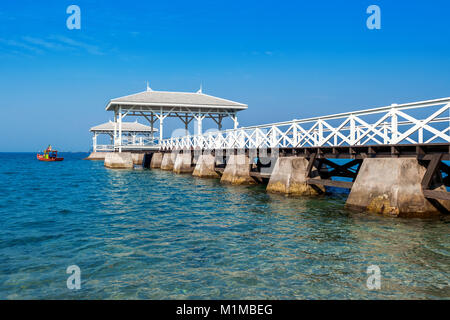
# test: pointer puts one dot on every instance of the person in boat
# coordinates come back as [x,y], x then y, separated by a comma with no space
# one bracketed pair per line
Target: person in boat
[47,151]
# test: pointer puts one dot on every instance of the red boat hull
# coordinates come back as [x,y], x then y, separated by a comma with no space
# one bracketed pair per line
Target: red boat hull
[40,157]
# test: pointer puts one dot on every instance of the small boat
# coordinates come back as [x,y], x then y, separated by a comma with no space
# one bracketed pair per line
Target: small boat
[49,155]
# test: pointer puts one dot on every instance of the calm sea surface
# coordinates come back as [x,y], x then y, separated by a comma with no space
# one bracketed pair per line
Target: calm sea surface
[150,234]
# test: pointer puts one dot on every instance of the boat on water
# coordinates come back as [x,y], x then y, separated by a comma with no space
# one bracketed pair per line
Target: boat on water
[49,155]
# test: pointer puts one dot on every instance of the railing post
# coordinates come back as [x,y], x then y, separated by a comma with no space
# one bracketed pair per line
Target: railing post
[294,135]
[320,137]
[352,130]
[385,133]
[394,125]
[358,134]
[273,138]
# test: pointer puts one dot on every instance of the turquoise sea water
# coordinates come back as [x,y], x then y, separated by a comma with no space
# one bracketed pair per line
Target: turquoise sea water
[150,234]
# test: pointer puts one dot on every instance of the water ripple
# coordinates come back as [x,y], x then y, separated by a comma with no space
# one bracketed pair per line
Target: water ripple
[154,235]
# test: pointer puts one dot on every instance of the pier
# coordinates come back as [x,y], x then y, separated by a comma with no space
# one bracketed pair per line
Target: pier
[394,154]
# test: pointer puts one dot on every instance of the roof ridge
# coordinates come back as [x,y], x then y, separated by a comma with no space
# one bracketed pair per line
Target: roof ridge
[107,126]
[176,98]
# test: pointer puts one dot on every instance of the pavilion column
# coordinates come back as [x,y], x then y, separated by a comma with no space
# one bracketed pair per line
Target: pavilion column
[199,119]
[120,129]
[115,129]
[151,124]
[161,117]
[233,117]
[94,142]
[161,126]
[199,125]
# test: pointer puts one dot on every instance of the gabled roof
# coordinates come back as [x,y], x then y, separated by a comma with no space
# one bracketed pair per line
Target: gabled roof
[165,99]
[126,127]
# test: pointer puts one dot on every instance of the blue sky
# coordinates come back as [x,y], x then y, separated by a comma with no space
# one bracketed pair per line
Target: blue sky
[285,59]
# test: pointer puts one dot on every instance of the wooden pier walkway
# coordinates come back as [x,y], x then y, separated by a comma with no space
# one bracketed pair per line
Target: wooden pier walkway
[395,155]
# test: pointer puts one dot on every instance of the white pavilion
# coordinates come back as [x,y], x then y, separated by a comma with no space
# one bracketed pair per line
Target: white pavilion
[159,105]
[135,135]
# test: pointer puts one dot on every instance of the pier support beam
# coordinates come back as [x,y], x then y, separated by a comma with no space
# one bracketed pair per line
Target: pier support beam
[168,161]
[205,167]
[392,186]
[237,170]
[183,163]
[156,160]
[119,160]
[290,175]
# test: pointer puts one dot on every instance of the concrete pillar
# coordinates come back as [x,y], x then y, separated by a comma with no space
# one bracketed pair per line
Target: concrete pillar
[138,158]
[97,156]
[289,177]
[156,160]
[205,167]
[183,163]
[392,186]
[168,161]
[237,170]
[119,160]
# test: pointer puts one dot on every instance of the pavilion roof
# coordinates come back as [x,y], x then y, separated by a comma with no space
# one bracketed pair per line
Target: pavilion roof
[152,100]
[126,127]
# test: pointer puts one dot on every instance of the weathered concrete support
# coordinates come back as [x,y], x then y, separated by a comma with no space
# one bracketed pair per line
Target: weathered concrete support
[237,170]
[205,167]
[183,163]
[289,177]
[393,186]
[97,156]
[168,161]
[156,160]
[119,160]
[137,158]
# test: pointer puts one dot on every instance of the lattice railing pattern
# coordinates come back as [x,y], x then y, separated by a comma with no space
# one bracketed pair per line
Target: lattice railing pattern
[412,123]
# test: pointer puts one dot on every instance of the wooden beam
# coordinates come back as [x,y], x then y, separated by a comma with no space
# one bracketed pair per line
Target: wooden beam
[433,166]
[342,170]
[260,175]
[331,183]
[310,164]
[440,195]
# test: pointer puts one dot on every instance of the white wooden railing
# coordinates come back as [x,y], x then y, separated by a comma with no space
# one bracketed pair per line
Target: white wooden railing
[411,123]
[140,142]
[104,147]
